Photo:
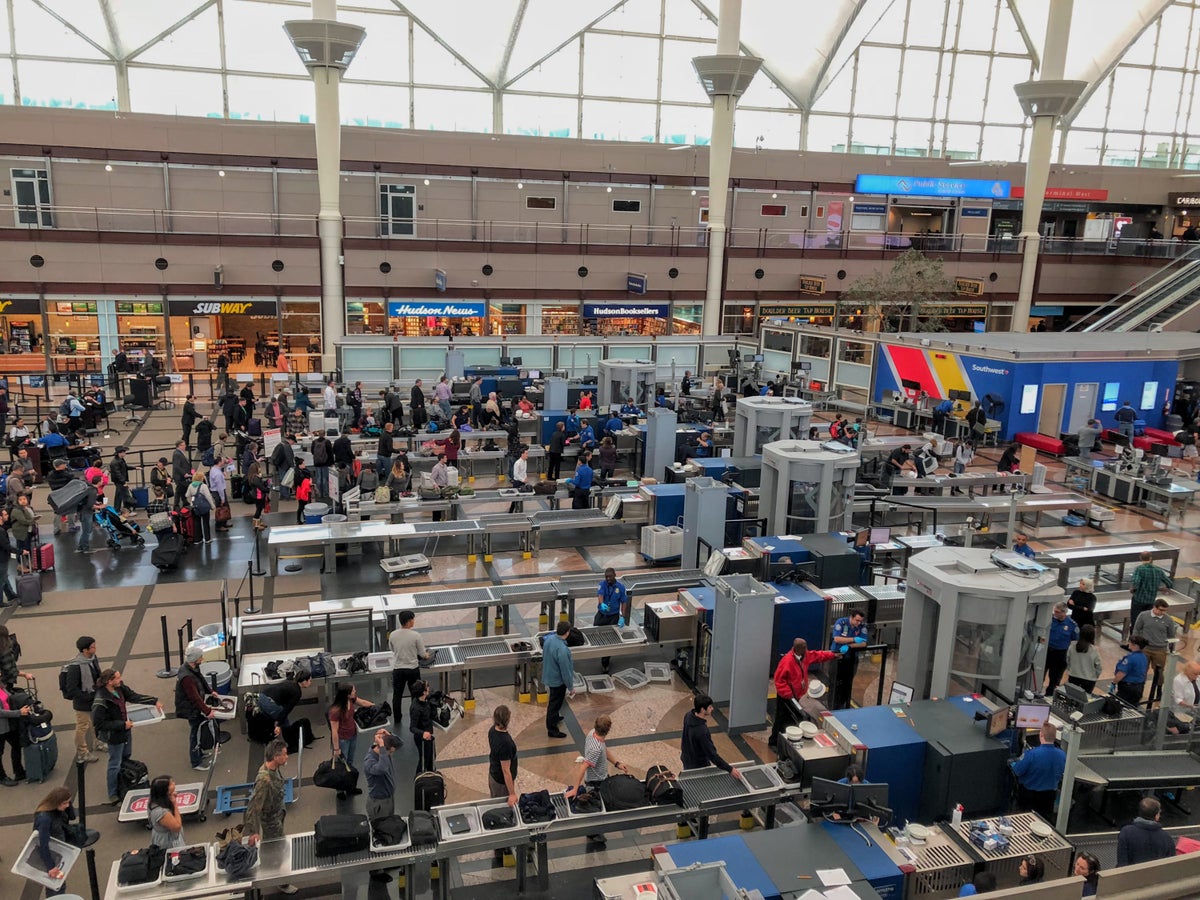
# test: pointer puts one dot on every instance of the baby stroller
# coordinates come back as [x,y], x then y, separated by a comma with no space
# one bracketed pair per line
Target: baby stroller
[116,528]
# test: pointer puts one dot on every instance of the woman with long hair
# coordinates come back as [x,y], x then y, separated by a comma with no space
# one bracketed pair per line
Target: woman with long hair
[10,734]
[256,482]
[343,730]
[166,824]
[10,653]
[50,820]
[399,479]
[452,445]
[1083,660]
[1087,867]
[420,723]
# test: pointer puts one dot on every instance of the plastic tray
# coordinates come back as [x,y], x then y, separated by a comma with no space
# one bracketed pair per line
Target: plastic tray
[571,813]
[580,685]
[391,848]
[632,679]
[469,811]
[191,876]
[217,867]
[375,728]
[143,714]
[404,565]
[380,661]
[485,805]
[599,684]
[28,864]
[659,671]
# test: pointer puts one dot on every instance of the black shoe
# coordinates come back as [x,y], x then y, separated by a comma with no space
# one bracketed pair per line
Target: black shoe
[341,795]
[380,876]
[556,734]
[355,792]
[597,839]
[9,782]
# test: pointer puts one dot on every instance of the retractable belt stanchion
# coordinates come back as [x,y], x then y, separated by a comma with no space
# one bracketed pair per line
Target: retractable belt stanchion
[167,671]
[89,852]
[251,610]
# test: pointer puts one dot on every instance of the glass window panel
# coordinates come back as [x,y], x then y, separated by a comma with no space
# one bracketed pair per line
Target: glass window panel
[1142,51]
[452,110]
[270,99]
[962,141]
[559,74]
[836,98]
[925,22]
[1177,24]
[613,121]
[175,93]
[683,18]
[686,124]
[38,32]
[374,105]
[779,130]
[976,23]
[1082,147]
[967,89]
[763,92]
[879,70]
[920,71]
[255,40]
[433,64]
[198,43]
[1008,35]
[1131,87]
[383,56]
[7,95]
[912,138]
[872,136]
[1002,105]
[1095,111]
[1156,151]
[618,66]
[68,85]
[891,26]
[827,133]
[1161,114]
[5,46]
[541,116]
[1121,149]
[634,17]
[1000,142]
[679,81]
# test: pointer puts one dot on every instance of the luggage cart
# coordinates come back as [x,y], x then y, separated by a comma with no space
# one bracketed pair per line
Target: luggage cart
[192,799]
[232,798]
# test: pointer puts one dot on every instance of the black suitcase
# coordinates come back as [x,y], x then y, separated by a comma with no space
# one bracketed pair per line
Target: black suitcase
[429,790]
[41,757]
[168,552]
[341,834]
[67,498]
[133,774]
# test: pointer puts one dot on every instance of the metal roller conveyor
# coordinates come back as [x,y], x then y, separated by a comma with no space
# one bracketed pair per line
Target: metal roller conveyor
[662,582]
[435,600]
[1094,559]
[707,786]
[304,855]
[482,648]
[1145,770]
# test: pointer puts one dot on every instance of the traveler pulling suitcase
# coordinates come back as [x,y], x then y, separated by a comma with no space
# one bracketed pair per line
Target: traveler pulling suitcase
[29,584]
[168,552]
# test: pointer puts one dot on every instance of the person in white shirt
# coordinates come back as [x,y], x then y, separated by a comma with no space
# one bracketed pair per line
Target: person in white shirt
[330,395]
[520,474]
[1185,698]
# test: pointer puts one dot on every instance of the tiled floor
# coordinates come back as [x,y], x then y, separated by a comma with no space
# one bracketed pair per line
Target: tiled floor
[120,599]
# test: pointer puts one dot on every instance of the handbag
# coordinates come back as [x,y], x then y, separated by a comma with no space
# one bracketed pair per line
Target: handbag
[336,774]
[223,513]
[289,477]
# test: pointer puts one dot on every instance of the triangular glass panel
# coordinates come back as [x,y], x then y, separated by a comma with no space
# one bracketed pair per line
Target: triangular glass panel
[198,43]
[40,34]
[559,74]
[479,37]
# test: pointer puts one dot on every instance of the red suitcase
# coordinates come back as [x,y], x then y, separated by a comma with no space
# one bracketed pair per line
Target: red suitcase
[43,554]
[185,524]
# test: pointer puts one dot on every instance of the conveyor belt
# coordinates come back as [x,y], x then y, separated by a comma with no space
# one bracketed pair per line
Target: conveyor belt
[464,596]
[883,592]
[708,787]
[304,854]
[504,522]
[1145,769]
[662,582]
[507,593]
[443,656]
[443,529]
[602,636]
[844,594]
[481,648]
[569,518]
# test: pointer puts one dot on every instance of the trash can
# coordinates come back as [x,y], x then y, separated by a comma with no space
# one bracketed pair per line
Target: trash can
[315,512]
[221,671]
[332,519]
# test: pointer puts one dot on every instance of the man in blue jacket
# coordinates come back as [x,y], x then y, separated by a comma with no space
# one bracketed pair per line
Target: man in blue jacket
[611,600]
[1125,417]
[558,675]
[1063,632]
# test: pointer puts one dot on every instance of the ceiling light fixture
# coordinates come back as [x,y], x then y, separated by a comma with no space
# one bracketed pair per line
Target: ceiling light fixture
[520,185]
[426,182]
[221,173]
[108,167]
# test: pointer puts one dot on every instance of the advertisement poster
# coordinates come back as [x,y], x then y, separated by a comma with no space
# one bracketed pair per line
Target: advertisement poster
[833,221]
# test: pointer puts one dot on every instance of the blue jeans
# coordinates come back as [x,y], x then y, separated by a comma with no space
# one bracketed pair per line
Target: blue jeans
[349,748]
[1126,428]
[320,482]
[383,465]
[272,709]
[86,521]
[116,754]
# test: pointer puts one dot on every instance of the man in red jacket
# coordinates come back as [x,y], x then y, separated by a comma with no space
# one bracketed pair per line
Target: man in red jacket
[791,681]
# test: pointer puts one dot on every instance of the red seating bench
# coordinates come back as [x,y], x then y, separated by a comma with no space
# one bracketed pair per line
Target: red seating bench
[1145,441]
[1041,442]
[1159,436]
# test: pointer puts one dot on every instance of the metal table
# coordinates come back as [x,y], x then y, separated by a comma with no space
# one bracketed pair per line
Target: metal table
[1094,559]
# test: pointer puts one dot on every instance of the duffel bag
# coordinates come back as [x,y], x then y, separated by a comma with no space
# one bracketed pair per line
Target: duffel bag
[662,786]
[622,792]
[545,487]
[341,834]
[336,774]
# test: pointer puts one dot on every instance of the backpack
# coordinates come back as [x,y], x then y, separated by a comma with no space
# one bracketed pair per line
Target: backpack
[422,828]
[64,675]
[210,457]
[200,504]
[64,408]
[622,792]
[501,817]
[429,790]
[389,830]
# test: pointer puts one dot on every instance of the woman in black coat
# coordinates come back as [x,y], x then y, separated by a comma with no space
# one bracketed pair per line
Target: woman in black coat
[420,723]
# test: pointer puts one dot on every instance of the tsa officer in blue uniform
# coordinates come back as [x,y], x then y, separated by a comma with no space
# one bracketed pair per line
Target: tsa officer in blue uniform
[849,636]
[610,599]
[1063,632]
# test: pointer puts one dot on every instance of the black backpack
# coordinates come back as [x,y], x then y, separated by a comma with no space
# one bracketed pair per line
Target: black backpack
[422,828]
[429,790]
[501,817]
[64,681]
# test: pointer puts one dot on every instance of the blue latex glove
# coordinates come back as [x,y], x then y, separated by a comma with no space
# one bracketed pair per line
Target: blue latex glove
[604,609]
[621,622]
[843,648]
[860,640]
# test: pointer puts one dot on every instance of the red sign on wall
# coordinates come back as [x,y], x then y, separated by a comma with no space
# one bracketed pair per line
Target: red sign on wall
[1061,193]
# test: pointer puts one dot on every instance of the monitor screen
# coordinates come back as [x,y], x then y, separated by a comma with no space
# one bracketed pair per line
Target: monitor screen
[910,384]
[978,327]
[880,535]
[827,792]
[869,795]
[535,374]
[1032,715]
[900,693]
[758,357]
[1119,440]
[998,722]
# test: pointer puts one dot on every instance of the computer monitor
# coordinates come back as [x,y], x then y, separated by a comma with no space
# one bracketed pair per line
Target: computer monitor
[998,722]
[964,396]
[862,538]
[880,536]
[516,361]
[1032,715]
[1120,440]
[1075,693]
[900,693]
[826,792]
[758,357]
[869,797]
[534,374]
[910,384]
[505,361]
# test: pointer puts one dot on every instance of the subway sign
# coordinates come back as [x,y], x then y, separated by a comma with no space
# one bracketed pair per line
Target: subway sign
[222,307]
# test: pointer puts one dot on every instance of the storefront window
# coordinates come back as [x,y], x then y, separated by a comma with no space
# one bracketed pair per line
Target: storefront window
[560,319]
[509,318]
[74,339]
[246,332]
[22,348]
[141,329]
[301,334]
[445,318]
[739,319]
[687,318]
[366,317]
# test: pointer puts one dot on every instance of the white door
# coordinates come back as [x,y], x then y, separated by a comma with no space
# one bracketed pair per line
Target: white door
[31,198]
[1083,406]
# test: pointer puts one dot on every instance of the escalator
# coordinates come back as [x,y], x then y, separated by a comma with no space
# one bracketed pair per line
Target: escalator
[1166,300]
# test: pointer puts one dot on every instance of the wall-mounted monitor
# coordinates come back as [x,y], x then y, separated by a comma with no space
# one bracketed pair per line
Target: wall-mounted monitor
[1029,397]
[910,384]
[1149,395]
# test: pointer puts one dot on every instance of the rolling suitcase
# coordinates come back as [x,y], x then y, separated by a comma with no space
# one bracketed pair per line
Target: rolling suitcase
[186,525]
[141,497]
[67,498]
[429,790]
[41,757]
[29,585]
[168,552]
